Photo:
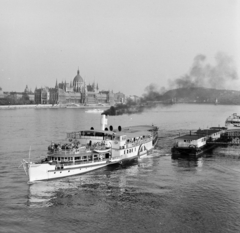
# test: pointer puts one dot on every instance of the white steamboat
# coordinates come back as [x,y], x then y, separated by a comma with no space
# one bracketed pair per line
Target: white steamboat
[88,150]
[233,122]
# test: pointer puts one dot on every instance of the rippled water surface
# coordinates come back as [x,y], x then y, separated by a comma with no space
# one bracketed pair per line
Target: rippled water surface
[154,194]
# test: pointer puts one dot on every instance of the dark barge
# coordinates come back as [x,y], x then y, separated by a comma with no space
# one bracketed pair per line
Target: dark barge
[194,144]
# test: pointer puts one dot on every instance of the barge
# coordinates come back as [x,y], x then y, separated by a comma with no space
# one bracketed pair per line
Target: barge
[196,143]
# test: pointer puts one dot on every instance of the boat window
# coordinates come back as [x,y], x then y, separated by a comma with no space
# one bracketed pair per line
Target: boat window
[99,134]
[59,158]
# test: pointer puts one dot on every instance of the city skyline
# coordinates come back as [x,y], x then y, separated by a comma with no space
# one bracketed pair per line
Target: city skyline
[123,46]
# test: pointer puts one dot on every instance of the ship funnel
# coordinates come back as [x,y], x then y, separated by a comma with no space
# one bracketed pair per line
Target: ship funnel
[104,121]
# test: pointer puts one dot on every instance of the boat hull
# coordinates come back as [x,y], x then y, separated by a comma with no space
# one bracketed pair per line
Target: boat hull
[37,172]
[179,152]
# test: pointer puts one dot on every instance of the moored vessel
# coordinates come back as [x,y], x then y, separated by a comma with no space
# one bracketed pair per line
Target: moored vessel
[194,144]
[233,122]
[94,111]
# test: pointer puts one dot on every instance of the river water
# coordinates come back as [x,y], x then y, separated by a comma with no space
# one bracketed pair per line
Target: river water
[154,194]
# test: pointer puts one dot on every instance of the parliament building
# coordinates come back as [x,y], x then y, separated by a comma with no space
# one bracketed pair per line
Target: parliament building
[74,92]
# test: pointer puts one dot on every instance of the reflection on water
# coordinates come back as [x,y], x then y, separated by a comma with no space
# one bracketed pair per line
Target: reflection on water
[42,192]
[188,163]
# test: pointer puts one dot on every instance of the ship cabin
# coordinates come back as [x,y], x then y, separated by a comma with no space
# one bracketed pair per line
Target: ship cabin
[191,140]
[71,159]
[199,138]
[213,133]
[91,136]
[126,143]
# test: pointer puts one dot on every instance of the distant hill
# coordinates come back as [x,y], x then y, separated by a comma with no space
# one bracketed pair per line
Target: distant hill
[202,95]
[181,95]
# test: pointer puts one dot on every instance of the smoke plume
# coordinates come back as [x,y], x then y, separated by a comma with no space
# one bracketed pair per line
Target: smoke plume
[153,93]
[202,74]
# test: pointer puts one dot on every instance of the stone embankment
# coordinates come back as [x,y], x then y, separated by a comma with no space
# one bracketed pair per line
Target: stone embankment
[26,106]
[2,107]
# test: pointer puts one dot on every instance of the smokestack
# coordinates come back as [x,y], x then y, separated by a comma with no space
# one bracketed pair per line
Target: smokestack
[104,122]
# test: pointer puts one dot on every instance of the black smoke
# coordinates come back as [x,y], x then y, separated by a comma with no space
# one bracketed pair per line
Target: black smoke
[203,74]
[153,93]
[150,99]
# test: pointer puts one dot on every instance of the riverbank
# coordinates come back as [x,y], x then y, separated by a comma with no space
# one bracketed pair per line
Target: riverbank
[8,107]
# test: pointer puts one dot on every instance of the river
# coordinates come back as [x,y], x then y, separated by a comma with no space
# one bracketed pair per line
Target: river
[154,194]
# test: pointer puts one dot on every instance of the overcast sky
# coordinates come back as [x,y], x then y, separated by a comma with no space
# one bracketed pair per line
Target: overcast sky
[124,45]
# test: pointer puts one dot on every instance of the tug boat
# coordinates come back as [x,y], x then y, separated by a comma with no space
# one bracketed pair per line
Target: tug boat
[88,150]
[194,144]
[94,111]
[233,122]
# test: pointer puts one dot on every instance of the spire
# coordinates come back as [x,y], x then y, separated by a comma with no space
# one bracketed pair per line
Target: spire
[78,72]
[56,86]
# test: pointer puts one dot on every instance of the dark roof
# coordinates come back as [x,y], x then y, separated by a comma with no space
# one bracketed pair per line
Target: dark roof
[190,137]
[136,131]
[219,128]
[207,131]
[233,130]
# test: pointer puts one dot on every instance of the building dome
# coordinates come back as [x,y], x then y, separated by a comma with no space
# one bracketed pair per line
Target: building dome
[78,82]
[78,78]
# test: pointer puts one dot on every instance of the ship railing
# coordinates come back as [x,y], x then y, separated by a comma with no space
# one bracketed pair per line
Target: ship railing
[68,163]
[67,151]
[138,142]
